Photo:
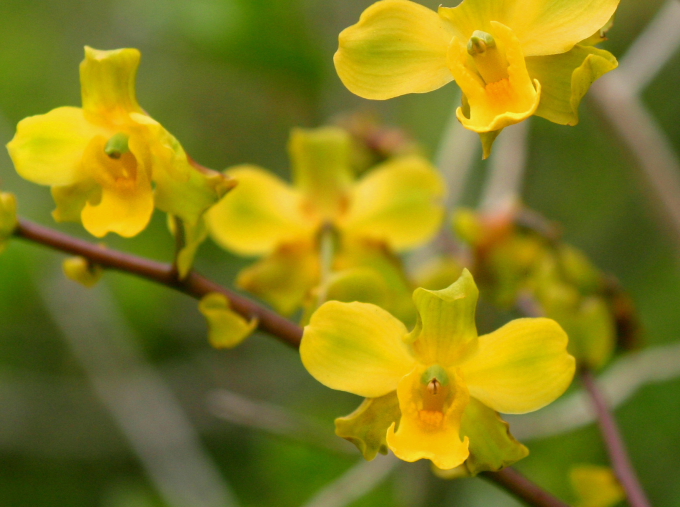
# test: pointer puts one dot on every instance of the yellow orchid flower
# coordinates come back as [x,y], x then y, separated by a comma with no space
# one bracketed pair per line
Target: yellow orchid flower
[396,206]
[511,58]
[448,381]
[109,163]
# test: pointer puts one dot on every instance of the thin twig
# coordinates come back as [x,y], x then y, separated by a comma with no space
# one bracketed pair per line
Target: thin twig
[455,156]
[617,95]
[615,446]
[652,49]
[646,141]
[198,286]
[514,482]
[194,285]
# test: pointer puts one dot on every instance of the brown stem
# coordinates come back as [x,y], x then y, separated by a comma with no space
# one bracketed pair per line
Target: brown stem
[615,446]
[514,482]
[194,285]
[198,286]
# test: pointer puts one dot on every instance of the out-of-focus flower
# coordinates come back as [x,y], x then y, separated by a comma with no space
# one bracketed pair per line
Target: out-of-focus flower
[519,260]
[394,207]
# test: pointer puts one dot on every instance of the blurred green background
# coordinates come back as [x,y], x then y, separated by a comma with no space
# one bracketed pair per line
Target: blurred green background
[229,78]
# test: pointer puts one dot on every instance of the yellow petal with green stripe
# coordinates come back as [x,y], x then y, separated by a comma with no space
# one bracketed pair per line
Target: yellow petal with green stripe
[521,367]
[259,214]
[356,347]
[446,331]
[399,202]
[397,47]
[48,149]
[543,27]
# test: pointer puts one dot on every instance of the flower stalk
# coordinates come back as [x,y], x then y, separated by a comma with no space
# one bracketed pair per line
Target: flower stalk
[194,285]
[616,449]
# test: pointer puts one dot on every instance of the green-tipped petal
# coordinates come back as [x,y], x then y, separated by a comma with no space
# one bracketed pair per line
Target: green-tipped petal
[566,78]
[521,367]
[356,347]
[544,27]
[446,329]
[321,169]
[399,202]
[367,426]
[48,149]
[82,271]
[261,213]
[492,446]
[284,278]
[488,138]
[226,328]
[107,80]
[397,47]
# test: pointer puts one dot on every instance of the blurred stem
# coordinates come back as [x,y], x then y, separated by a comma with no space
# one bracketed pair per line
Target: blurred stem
[521,487]
[618,454]
[194,284]
[270,322]
[180,241]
